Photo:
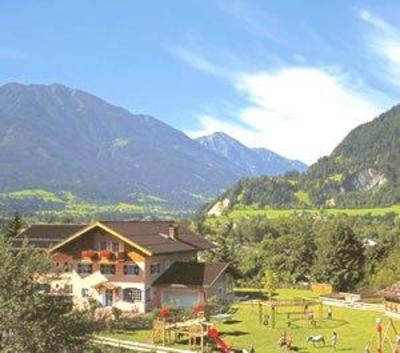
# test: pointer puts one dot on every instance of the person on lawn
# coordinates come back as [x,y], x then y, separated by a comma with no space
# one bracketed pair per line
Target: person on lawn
[334,340]
[366,349]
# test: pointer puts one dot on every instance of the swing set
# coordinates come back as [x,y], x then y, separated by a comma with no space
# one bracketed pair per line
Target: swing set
[268,312]
[387,335]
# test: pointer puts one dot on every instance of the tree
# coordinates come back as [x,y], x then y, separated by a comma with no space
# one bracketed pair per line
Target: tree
[290,254]
[14,226]
[269,282]
[339,256]
[389,272]
[31,320]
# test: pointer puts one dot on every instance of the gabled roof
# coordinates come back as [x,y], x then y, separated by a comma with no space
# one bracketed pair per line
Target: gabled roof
[192,274]
[151,237]
[44,236]
[392,292]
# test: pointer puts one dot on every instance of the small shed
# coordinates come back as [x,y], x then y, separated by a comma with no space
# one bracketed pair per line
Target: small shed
[186,284]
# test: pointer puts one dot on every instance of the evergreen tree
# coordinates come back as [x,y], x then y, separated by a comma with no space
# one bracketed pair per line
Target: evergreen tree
[269,282]
[14,226]
[339,256]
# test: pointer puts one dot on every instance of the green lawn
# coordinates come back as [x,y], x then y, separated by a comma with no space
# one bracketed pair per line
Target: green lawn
[354,328]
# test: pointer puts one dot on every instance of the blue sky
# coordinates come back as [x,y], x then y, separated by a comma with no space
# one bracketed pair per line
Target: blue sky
[291,76]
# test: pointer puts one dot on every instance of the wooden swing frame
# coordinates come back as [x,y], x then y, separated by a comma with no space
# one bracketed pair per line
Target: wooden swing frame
[274,305]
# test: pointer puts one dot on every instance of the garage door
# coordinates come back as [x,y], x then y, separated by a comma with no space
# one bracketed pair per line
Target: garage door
[179,299]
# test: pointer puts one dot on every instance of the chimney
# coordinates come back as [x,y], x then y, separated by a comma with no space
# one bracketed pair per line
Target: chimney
[173,231]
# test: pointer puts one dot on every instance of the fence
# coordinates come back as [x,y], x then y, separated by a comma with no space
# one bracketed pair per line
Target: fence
[137,346]
[354,305]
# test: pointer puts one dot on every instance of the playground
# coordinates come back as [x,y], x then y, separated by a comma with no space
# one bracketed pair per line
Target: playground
[354,328]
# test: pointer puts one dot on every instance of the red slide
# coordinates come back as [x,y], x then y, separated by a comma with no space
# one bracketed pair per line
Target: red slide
[213,333]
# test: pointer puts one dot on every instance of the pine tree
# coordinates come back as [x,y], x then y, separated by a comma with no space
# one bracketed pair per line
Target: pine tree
[14,226]
[339,256]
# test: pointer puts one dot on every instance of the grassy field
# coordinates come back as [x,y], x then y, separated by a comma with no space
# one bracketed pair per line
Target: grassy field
[276,213]
[354,328]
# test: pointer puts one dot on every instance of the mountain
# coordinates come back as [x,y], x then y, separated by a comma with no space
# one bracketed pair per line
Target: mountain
[250,161]
[362,171]
[56,139]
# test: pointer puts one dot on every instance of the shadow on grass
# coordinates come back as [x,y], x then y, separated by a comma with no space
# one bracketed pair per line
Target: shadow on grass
[236,333]
[252,295]
[334,323]
[232,322]
[300,324]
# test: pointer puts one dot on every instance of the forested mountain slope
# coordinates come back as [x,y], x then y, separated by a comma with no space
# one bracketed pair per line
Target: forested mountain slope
[363,170]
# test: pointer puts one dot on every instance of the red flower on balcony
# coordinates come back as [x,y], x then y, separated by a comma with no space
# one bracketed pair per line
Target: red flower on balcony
[105,254]
[88,254]
[164,312]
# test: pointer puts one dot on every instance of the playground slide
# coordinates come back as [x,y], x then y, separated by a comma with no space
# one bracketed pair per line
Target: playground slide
[221,344]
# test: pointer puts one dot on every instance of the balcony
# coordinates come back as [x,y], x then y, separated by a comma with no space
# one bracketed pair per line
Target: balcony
[102,256]
[88,255]
[107,256]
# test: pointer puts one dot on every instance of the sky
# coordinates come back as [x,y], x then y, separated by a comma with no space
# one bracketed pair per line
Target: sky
[291,76]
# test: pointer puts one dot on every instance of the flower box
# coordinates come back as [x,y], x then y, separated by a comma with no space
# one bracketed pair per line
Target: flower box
[105,254]
[88,254]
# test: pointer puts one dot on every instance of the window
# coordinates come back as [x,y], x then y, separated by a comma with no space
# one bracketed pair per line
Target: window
[155,268]
[115,246]
[131,270]
[220,290]
[66,267]
[44,288]
[107,269]
[148,294]
[103,245]
[68,288]
[85,269]
[85,292]
[132,295]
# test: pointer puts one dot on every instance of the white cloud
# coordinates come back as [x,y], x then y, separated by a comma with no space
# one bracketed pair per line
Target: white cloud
[384,41]
[300,112]
[197,61]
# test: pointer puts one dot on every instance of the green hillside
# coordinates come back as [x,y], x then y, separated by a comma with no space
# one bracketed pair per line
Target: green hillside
[64,206]
[362,172]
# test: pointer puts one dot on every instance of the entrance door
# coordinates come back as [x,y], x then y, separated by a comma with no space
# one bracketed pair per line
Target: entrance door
[108,297]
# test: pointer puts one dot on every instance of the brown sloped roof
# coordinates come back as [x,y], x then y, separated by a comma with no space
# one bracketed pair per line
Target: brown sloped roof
[153,236]
[150,235]
[45,236]
[192,274]
[392,292]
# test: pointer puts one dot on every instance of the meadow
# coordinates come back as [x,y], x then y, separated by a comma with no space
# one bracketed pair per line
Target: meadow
[355,329]
[249,212]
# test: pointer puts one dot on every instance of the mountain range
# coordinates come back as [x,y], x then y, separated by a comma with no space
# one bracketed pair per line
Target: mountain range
[362,171]
[60,139]
[250,161]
